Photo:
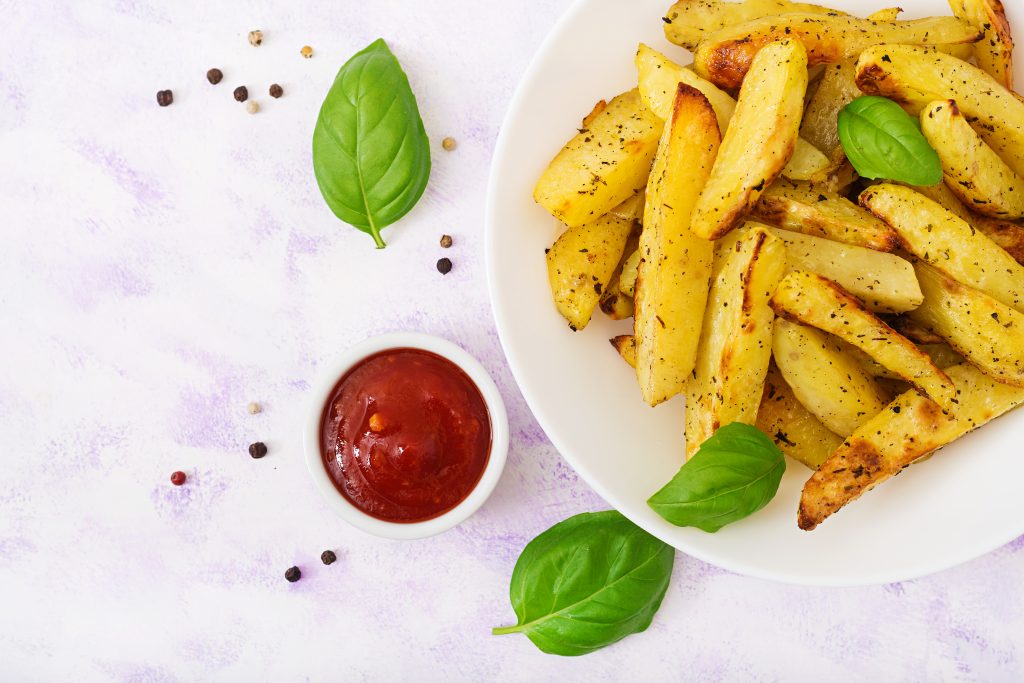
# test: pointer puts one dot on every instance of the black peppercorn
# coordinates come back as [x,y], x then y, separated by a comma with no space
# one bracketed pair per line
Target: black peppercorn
[444,266]
[241,93]
[258,450]
[164,97]
[446,241]
[293,574]
[328,557]
[214,76]
[276,91]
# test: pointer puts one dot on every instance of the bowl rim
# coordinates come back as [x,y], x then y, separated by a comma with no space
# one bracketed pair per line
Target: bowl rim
[328,375]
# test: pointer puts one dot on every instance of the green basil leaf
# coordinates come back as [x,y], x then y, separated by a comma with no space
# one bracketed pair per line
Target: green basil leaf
[883,141]
[588,582]
[733,475]
[371,155]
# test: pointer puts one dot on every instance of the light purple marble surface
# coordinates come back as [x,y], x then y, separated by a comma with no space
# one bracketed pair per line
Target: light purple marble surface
[161,268]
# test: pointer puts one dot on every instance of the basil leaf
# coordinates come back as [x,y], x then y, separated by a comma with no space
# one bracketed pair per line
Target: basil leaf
[588,582]
[733,475]
[371,155]
[883,141]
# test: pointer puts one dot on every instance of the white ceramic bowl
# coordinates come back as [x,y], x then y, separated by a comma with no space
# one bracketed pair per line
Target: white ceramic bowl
[956,506]
[328,378]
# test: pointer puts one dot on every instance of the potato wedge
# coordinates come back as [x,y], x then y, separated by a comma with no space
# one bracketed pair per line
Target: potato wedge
[915,76]
[687,22]
[994,52]
[883,282]
[736,338]
[603,165]
[827,380]
[806,163]
[725,56]
[816,211]
[913,330]
[792,427]
[632,208]
[940,238]
[910,428]
[658,76]
[614,303]
[1009,236]
[836,90]
[970,168]
[759,141]
[675,268]
[813,300]
[625,345]
[630,268]
[581,263]
[987,333]
[941,353]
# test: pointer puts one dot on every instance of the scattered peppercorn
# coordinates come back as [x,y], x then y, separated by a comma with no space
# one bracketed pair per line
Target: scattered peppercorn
[306,51]
[328,557]
[446,241]
[215,76]
[276,91]
[444,266]
[254,408]
[293,574]
[164,97]
[256,38]
[241,93]
[448,144]
[178,478]
[257,450]
[252,106]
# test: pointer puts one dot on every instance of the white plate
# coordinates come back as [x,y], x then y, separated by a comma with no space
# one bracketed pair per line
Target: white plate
[960,504]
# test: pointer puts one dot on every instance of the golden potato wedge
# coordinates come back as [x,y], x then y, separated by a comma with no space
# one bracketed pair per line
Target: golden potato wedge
[970,168]
[658,76]
[1009,236]
[886,14]
[813,210]
[725,56]
[816,301]
[614,303]
[688,21]
[941,353]
[987,333]
[836,90]
[630,268]
[736,338]
[807,161]
[915,76]
[792,427]
[883,282]
[675,267]
[910,428]
[940,238]
[994,52]
[827,380]
[625,345]
[759,141]
[581,263]
[603,165]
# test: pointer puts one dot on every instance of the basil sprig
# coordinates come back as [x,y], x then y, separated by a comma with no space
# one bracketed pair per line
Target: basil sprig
[371,155]
[734,474]
[883,141]
[588,582]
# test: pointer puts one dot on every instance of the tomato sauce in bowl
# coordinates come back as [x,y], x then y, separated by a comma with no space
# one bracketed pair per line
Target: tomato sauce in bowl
[405,435]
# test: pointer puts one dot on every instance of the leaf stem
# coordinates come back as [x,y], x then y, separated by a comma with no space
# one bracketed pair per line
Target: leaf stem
[505,630]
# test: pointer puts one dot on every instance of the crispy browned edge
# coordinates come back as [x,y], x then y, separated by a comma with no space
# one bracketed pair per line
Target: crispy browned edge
[622,341]
[599,107]
[1001,26]
[853,302]
[1007,235]
[913,330]
[729,61]
[858,465]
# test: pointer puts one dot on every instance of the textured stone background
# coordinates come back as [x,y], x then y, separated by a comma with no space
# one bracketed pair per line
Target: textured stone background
[163,267]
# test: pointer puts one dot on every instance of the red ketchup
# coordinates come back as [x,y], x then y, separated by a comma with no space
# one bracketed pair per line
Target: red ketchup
[405,435]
